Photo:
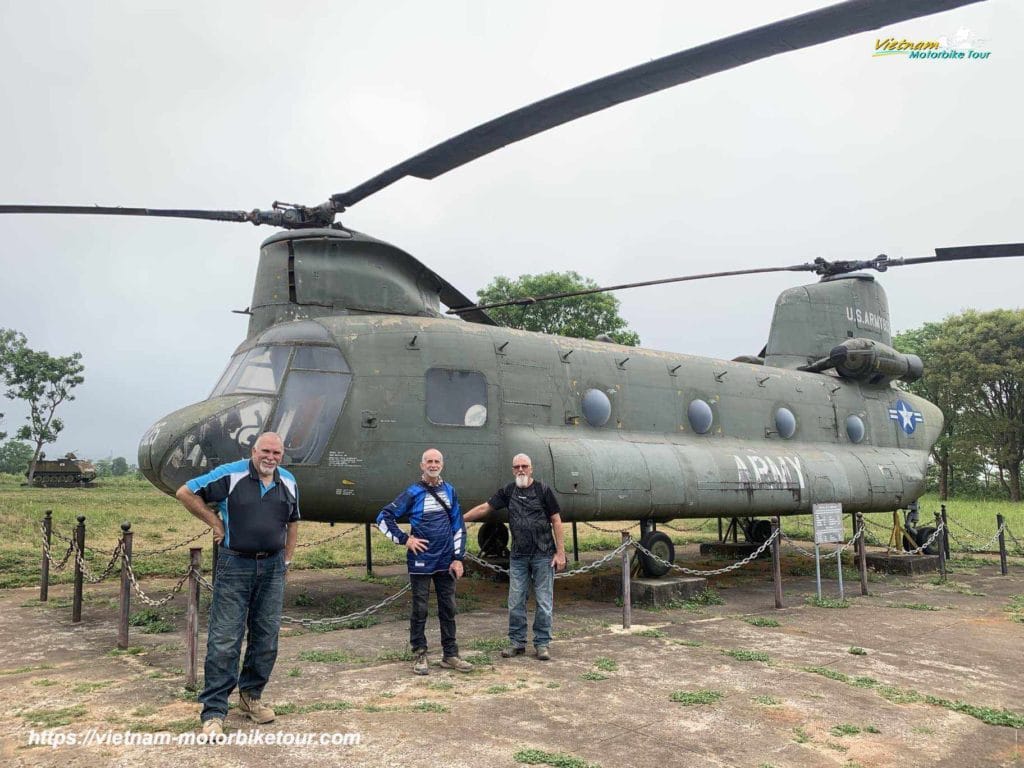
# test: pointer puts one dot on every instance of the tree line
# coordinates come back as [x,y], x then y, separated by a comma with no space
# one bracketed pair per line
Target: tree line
[974,372]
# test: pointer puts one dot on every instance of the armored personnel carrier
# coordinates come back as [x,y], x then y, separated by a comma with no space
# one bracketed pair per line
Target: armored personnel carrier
[64,472]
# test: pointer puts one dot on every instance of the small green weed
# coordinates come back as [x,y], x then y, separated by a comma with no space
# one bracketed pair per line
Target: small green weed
[827,602]
[53,718]
[428,706]
[554,759]
[650,633]
[761,621]
[607,665]
[691,698]
[150,621]
[497,689]
[740,655]
[329,657]
[593,676]
[768,701]
[844,729]
[857,651]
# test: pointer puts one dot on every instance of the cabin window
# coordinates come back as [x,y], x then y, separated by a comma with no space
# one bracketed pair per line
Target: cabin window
[597,408]
[855,428]
[785,423]
[700,416]
[456,398]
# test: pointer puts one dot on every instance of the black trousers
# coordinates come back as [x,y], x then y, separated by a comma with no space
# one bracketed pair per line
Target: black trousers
[444,587]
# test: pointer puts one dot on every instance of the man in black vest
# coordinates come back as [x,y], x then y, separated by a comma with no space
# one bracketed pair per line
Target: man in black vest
[537,552]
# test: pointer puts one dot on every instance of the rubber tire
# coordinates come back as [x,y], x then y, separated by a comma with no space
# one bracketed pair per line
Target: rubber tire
[760,531]
[921,535]
[661,545]
[493,539]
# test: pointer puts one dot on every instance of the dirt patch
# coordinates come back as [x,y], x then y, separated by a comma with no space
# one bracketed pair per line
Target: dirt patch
[692,685]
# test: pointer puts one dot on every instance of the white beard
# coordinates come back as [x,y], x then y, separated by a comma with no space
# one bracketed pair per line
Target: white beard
[523,481]
[433,474]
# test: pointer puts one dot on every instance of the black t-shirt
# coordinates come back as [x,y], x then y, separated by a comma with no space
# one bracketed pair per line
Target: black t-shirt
[529,517]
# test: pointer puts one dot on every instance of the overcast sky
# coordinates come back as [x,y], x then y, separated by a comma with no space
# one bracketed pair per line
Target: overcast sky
[232,105]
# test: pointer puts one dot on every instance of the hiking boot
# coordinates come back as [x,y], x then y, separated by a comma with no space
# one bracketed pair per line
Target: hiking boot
[213,728]
[420,665]
[508,653]
[254,709]
[454,662]
[542,653]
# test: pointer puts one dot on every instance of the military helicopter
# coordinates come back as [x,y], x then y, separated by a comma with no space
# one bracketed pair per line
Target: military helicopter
[349,356]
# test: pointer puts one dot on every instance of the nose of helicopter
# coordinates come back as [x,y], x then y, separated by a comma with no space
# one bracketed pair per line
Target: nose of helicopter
[199,437]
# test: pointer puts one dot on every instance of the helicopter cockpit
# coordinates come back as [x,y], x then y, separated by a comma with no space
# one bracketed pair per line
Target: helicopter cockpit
[291,379]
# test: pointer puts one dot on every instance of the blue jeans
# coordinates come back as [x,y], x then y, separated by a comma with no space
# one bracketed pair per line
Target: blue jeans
[523,571]
[247,594]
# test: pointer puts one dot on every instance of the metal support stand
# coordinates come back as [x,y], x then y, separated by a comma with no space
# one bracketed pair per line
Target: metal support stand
[839,569]
[575,544]
[369,553]
[777,563]
[76,602]
[627,598]
[125,603]
[44,571]
[195,559]
[942,548]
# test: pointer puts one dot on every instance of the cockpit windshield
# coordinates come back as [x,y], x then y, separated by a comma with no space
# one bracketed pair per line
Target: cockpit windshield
[311,382]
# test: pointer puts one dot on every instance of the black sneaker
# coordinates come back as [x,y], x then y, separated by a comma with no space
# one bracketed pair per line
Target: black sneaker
[508,653]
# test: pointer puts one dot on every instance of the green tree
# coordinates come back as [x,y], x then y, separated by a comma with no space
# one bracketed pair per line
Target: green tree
[104,467]
[119,467]
[582,317]
[15,457]
[979,355]
[44,382]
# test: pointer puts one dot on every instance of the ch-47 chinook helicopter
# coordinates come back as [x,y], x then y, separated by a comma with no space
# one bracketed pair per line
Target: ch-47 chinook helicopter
[349,357]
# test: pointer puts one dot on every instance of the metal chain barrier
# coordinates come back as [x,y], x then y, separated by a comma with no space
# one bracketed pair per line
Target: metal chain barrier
[842,548]
[146,552]
[1013,538]
[564,574]
[717,572]
[939,528]
[346,532]
[604,530]
[49,555]
[86,574]
[350,617]
[986,547]
[203,582]
[71,540]
[146,598]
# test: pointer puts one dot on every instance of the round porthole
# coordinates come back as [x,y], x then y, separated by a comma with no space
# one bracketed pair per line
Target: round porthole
[785,422]
[855,428]
[597,408]
[700,416]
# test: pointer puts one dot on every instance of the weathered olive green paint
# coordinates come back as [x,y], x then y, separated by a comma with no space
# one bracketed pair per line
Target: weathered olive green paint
[380,308]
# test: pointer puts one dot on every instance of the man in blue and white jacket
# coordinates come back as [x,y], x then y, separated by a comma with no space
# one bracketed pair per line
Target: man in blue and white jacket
[436,544]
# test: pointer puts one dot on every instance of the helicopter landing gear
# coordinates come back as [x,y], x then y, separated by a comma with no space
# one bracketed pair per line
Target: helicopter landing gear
[493,539]
[757,531]
[657,543]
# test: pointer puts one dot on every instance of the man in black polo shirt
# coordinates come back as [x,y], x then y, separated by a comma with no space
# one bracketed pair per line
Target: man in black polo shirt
[256,524]
[537,552]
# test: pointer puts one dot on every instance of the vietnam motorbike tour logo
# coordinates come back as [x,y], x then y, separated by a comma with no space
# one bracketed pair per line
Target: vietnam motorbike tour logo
[960,46]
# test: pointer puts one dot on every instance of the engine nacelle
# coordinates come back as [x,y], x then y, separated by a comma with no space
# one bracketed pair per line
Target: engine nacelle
[870,361]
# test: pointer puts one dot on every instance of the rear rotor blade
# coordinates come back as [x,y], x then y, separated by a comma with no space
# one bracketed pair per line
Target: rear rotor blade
[791,34]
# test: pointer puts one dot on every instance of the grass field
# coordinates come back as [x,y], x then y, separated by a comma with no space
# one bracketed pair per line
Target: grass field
[158,521]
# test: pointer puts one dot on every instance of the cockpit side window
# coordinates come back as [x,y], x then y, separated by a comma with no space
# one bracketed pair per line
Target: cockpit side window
[456,398]
[313,396]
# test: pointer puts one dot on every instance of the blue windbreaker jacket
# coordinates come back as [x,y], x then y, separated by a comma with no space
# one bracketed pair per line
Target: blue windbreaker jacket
[428,520]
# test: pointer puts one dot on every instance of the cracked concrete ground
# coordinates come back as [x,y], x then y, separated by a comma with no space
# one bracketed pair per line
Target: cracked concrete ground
[786,695]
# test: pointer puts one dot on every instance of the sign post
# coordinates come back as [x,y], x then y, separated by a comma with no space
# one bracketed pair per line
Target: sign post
[828,529]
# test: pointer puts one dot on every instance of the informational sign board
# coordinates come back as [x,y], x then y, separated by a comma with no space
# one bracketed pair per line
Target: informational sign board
[828,523]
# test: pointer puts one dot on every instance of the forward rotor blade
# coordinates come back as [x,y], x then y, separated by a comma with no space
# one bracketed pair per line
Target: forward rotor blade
[791,34]
[119,211]
[961,252]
